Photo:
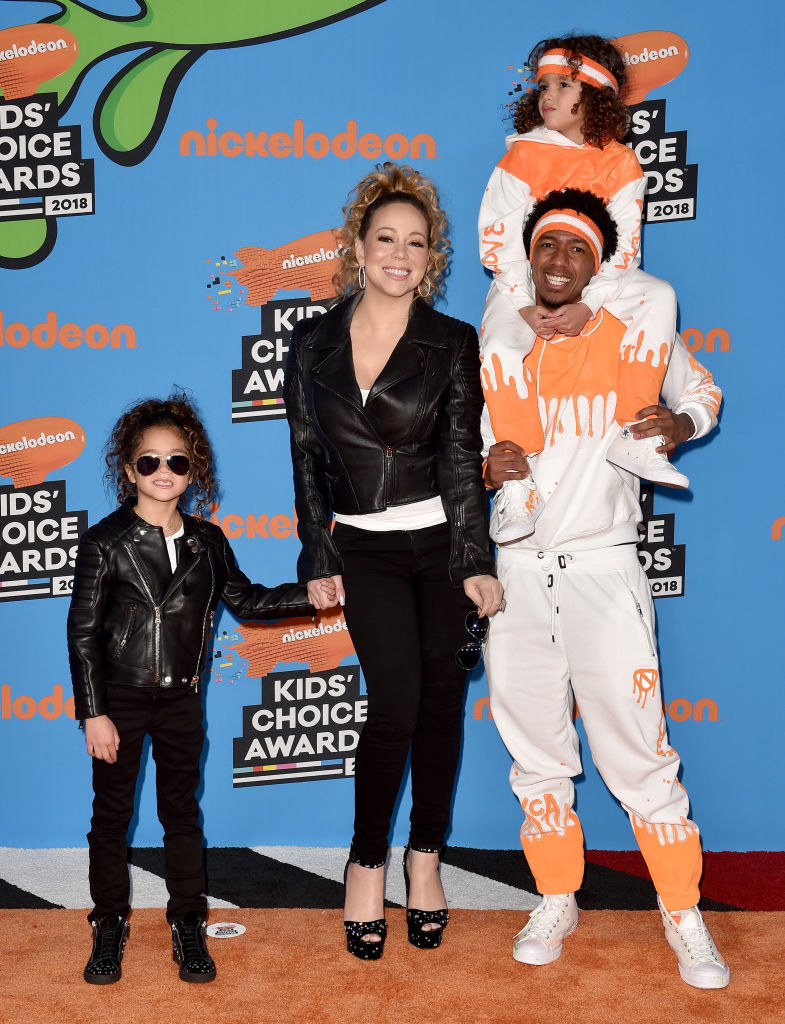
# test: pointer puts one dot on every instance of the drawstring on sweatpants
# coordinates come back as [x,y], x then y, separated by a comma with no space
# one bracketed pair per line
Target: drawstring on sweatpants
[554,563]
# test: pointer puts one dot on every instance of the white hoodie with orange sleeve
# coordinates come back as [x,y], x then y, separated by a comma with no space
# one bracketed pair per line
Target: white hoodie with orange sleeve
[541,161]
[589,503]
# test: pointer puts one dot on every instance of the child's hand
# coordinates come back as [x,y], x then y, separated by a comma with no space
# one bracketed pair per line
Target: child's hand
[326,592]
[541,320]
[102,738]
[572,318]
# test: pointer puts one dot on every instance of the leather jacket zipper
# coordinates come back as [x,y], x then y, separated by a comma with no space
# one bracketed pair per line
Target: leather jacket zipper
[156,610]
[389,467]
[205,630]
[129,622]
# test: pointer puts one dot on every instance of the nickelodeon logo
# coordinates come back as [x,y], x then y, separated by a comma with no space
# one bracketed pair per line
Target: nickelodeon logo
[275,527]
[25,707]
[32,54]
[717,339]
[651,59]
[296,143]
[307,264]
[49,333]
[321,643]
[30,449]
[679,709]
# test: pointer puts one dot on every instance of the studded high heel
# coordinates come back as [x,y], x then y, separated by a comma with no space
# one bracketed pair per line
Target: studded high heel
[419,936]
[356,931]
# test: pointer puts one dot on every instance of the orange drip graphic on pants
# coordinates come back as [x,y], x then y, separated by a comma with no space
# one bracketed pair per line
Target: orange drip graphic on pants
[644,684]
[552,839]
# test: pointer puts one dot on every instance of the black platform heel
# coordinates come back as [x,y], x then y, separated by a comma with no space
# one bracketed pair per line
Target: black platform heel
[429,938]
[357,930]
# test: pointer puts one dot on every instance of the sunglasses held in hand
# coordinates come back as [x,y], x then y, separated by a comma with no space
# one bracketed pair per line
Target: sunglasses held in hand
[468,656]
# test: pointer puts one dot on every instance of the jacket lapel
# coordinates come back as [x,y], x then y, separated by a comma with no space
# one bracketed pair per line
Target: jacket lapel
[190,548]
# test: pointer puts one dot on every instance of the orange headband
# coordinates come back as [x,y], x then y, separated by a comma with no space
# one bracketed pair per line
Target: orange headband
[577,224]
[556,62]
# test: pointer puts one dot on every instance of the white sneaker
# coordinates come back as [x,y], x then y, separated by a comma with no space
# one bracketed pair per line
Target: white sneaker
[540,942]
[700,965]
[515,509]
[642,458]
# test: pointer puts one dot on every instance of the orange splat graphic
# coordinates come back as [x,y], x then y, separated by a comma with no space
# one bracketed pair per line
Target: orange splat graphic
[544,816]
[644,684]
[264,644]
[265,271]
[663,749]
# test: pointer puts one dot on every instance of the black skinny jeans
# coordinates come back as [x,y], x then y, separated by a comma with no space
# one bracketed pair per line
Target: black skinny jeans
[173,718]
[406,620]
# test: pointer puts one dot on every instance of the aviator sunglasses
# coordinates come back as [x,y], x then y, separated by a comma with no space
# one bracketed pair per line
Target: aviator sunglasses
[468,656]
[180,465]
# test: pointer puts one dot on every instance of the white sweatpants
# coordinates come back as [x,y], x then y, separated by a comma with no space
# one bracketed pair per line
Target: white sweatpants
[582,623]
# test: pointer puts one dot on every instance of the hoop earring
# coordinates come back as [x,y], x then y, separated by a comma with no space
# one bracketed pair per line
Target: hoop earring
[361,277]
[430,289]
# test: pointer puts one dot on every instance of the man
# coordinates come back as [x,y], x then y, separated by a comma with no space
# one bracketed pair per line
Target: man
[579,613]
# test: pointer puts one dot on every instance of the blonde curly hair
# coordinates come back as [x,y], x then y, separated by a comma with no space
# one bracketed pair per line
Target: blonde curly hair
[396,183]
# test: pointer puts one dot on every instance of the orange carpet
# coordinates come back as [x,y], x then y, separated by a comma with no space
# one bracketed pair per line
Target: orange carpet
[290,967]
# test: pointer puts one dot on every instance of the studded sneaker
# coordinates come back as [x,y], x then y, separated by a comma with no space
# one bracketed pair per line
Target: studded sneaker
[640,456]
[540,942]
[700,965]
[515,509]
[109,935]
[189,949]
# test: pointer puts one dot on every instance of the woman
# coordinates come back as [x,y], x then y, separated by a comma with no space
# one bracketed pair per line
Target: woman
[383,399]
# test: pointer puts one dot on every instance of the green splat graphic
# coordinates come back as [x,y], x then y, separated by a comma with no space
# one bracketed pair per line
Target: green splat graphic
[166,38]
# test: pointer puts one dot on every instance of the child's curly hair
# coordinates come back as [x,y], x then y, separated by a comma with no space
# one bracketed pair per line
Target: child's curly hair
[179,412]
[605,115]
[393,183]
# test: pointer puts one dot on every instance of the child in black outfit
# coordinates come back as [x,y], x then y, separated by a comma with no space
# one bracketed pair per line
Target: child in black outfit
[148,578]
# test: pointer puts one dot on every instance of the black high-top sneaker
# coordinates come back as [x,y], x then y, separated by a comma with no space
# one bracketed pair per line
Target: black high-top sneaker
[109,936]
[189,949]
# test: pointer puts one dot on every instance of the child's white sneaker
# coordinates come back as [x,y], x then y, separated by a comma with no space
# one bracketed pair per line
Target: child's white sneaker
[540,942]
[515,509]
[640,456]
[700,965]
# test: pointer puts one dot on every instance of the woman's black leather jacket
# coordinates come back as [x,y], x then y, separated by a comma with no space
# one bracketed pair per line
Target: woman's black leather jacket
[417,436]
[134,622]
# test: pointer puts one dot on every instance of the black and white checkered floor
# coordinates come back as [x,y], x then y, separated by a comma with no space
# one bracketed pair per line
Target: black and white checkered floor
[308,876]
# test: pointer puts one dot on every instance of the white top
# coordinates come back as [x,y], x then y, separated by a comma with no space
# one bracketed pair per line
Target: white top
[415,515]
[171,550]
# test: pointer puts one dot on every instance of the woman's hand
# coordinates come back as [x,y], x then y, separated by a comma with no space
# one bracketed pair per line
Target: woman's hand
[326,592]
[486,592]
[675,427]
[101,738]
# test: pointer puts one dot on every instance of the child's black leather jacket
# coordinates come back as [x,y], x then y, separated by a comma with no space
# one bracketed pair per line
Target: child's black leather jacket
[134,622]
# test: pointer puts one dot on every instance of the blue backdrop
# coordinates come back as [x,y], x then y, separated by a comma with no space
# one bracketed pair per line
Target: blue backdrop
[147,278]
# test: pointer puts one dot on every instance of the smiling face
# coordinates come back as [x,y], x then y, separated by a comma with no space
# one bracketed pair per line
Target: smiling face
[162,488]
[559,104]
[394,250]
[562,265]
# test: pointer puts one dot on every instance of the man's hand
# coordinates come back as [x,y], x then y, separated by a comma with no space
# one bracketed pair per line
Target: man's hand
[541,320]
[101,738]
[506,461]
[570,320]
[675,427]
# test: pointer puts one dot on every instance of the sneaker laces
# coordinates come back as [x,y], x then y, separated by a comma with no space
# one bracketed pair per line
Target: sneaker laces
[545,917]
[107,939]
[192,941]
[695,935]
